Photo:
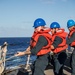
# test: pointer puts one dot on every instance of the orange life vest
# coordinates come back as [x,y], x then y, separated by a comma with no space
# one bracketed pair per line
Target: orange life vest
[60,33]
[70,34]
[34,41]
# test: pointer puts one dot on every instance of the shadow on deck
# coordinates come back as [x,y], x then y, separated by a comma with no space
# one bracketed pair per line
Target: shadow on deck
[67,67]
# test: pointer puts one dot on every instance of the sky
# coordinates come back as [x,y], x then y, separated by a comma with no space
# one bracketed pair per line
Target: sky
[17,16]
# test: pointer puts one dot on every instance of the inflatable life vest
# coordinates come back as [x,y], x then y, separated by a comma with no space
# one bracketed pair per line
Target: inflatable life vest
[34,41]
[70,34]
[60,33]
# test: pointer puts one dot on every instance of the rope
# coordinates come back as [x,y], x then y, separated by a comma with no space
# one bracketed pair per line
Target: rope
[9,58]
[27,63]
[27,67]
[3,50]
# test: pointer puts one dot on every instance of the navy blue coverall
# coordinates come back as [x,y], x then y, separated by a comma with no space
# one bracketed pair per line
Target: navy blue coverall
[69,41]
[59,58]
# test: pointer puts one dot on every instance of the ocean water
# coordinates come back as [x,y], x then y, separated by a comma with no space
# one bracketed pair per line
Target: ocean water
[16,44]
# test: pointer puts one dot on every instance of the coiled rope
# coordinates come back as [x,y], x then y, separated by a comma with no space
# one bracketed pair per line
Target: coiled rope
[3,50]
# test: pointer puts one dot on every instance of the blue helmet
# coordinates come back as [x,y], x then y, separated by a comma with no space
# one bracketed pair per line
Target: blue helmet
[54,25]
[39,22]
[70,23]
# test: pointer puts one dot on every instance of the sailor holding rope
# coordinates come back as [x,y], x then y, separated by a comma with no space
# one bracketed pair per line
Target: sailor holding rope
[40,46]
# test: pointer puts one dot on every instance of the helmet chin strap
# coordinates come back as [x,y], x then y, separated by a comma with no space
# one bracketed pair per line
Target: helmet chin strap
[55,30]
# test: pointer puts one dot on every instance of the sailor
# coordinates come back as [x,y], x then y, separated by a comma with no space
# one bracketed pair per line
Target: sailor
[58,47]
[71,42]
[40,46]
